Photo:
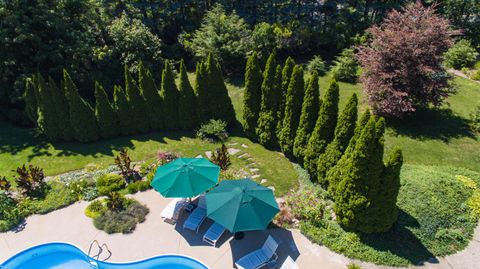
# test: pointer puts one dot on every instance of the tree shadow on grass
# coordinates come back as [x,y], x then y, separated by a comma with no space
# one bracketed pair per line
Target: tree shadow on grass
[400,241]
[440,124]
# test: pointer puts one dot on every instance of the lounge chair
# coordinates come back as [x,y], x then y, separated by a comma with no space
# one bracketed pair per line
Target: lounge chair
[260,257]
[195,219]
[213,234]
[289,263]
[171,212]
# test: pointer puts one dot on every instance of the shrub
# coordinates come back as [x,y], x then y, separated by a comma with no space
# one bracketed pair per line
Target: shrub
[317,64]
[83,189]
[353,266]
[346,66]
[116,202]
[95,209]
[308,203]
[461,54]
[221,157]
[54,196]
[5,185]
[30,180]
[474,205]
[476,75]
[9,213]
[213,130]
[123,221]
[124,163]
[475,119]
[164,157]
[110,183]
[137,186]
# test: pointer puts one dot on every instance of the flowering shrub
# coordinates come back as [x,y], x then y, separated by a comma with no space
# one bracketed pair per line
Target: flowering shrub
[164,157]
[307,204]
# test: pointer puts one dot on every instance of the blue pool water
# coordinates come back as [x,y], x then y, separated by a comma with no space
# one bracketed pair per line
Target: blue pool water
[67,256]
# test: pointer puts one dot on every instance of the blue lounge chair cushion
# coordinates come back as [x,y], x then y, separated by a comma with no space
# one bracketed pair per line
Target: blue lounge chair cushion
[214,233]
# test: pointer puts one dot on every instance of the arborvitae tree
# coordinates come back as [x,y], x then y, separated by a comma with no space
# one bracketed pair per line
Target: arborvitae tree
[104,112]
[47,119]
[334,176]
[310,107]
[171,96]
[323,132]
[82,116]
[153,101]
[30,97]
[286,75]
[221,106]
[123,110]
[266,121]
[201,92]
[343,133]
[137,103]
[62,110]
[252,95]
[293,109]
[187,105]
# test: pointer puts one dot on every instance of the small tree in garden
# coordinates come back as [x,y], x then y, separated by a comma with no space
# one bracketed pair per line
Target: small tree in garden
[61,110]
[188,115]
[252,95]
[123,111]
[124,163]
[171,96]
[221,157]
[266,121]
[153,101]
[104,112]
[30,180]
[201,92]
[286,75]
[31,99]
[346,66]
[47,119]
[402,65]
[461,55]
[137,103]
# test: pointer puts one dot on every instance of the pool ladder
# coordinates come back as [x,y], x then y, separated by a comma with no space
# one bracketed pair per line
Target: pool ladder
[92,259]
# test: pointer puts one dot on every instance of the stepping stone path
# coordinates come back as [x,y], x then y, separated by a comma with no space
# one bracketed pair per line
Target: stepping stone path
[233,151]
[232,144]
[208,154]
[244,146]
[243,155]
[254,169]
[255,176]
[263,181]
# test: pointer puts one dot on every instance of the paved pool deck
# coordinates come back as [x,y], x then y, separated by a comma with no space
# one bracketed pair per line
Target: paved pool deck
[155,237]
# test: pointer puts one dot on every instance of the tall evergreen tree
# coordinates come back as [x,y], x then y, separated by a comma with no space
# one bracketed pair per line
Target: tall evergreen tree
[47,119]
[82,116]
[187,104]
[252,95]
[105,113]
[221,106]
[323,132]
[137,103]
[30,97]
[201,92]
[286,75]
[153,101]
[343,133]
[310,107]
[171,96]
[266,121]
[61,110]
[123,109]
[293,109]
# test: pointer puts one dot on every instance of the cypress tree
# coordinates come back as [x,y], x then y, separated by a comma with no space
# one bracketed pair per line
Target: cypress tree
[187,105]
[47,119]
[343,133]
[82,116]
[137,103]
[266,121]
[153,101]
[62,110]
[30,98]
[201,92]
[293,107]
[171,97]
[124,111]
[323,132]
[310,107]
[286,75]
[252,95]
[104,112]
[221,106]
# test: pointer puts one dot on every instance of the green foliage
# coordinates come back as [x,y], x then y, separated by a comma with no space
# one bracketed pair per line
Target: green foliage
[124,110]
[10,215]
[31,99]
[285,78]
[115,201]
[461,55]
[153,101]
[221,157]
[252,95]
[202,92]
[48,120]
[474,205]
[124,164]
[137,104]
[5,185]
[104,112]
[346,67]
[317,64]
[61,109]
[293,109]
[54,196]
[137,186]
[267,116]
[30,181]
[476,75]
[343,133]
[323,133]
[123,221]
[308,203]
[82,116]
[475,119]
[353,266]
[310,108]
[170,97]
[95,209]
[108,183]
[187,105]
[264,38]
[214,130]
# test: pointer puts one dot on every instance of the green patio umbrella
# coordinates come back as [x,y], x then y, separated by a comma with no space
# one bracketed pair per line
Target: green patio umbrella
[185,177]
[241,205]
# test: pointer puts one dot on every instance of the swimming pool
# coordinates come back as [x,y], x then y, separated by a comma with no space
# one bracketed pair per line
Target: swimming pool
[68,256]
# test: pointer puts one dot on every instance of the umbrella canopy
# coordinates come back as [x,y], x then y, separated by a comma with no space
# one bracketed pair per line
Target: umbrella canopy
[241,205]
[185,177]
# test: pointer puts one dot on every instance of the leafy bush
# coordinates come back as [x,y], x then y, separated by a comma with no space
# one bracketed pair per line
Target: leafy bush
[476,75]
[474,205]
[83,189]
[221,157]
[55,196]
[353,266]
[317,64]
[95,209]
[124,163]
[30,180]
[9,213]
[123,221]
[264,39]
[475,119]
[116,202]
[110,183]
[137,186]
[346,67]
[213,130]
[461,55]
[307,203]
